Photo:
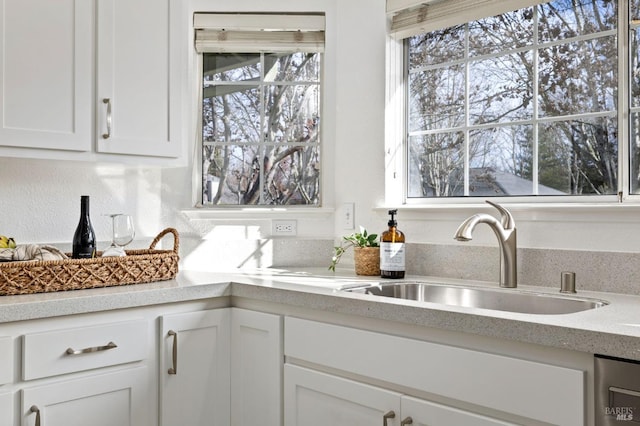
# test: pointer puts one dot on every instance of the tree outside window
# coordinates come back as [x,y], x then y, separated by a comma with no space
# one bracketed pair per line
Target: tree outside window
[261,129]
[524,103]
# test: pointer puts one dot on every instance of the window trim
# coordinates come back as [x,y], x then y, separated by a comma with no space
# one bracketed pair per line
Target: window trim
[412,17]
[396,173]
[275,32]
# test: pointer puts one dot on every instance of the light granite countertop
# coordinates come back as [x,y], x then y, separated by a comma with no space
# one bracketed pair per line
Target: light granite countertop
[610,330]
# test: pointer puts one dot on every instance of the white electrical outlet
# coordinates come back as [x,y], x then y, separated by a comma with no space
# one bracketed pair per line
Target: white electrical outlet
[284,227]
[348,210]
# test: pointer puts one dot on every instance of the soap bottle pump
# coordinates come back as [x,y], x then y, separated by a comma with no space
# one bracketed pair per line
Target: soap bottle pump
[392,250]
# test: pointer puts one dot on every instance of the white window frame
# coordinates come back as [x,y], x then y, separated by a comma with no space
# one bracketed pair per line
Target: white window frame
[243,24]
[396,173]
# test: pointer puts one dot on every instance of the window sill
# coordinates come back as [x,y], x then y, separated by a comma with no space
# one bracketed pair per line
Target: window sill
[256,213]
[629,211]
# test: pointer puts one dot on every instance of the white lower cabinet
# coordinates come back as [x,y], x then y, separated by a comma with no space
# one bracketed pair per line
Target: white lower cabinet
[168,365]
[256,368]
[194,368]
[468,387]
[6,355]
[221,367]
[108,399]
[6,409]
[314,398]
[90,374]
[419,412]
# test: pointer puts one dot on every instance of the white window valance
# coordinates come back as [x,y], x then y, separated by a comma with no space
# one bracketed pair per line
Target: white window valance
[251,32]
[412,17]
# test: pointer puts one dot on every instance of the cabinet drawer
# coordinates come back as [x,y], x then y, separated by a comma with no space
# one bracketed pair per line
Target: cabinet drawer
[525,388]
[6,355]
[77,349]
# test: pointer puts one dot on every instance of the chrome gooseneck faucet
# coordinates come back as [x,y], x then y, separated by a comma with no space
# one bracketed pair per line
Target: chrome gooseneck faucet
[505,230]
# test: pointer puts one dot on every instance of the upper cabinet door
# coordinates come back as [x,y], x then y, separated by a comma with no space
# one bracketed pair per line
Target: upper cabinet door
[138,77]
[46,74]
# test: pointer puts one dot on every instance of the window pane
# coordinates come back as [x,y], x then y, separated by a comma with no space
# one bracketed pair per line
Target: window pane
[501,162]
[635,67]
[293,113]
[635,10]
[499,33]
[231,114]
[292,175]
[231,66]
[436,99]
[635,153]
[562,19]
[436,165]
[501,89]
[578,77]
[580,156]
[231,174]
[436,47]
[292,67]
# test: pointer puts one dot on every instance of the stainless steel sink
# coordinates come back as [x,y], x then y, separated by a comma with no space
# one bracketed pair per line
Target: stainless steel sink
[499,299]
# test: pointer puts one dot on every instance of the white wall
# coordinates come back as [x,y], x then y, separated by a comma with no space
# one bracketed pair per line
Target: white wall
[41,198]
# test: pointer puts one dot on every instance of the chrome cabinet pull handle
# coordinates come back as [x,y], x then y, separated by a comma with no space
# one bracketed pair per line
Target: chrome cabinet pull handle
[110,345]
[108,134]
[35,409]
[174,369]
[624,391]
[407,421]
[388,415]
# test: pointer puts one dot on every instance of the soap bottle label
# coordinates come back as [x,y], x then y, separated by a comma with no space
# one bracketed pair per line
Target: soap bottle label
[392,256]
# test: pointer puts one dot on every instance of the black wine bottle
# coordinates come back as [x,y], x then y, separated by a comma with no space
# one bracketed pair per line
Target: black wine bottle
[84,239]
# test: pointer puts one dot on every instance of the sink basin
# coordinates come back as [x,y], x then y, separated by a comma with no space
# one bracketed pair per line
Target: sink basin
[479,297]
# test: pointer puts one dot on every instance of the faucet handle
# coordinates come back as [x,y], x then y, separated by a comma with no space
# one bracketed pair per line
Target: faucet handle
[506,219]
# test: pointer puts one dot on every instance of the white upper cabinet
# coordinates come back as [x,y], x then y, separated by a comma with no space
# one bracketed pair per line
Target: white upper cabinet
[46,74]
[138,77]
[95,77]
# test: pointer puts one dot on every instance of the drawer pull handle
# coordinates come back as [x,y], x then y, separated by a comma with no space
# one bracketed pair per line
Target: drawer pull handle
[35,409]
[108,134]
[407,421]
[174,353]
[110,345]
[624,391]
[388,415]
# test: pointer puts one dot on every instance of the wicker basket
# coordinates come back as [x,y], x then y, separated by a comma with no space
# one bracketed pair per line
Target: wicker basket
[139,266]
[367,260]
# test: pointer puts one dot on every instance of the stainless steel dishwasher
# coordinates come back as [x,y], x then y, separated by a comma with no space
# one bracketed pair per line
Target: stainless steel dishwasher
[617,391]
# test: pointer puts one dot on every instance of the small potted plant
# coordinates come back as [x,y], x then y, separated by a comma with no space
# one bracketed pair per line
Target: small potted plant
[366,252]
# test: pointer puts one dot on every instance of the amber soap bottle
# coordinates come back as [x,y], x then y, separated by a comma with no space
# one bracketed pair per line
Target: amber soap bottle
[392,250]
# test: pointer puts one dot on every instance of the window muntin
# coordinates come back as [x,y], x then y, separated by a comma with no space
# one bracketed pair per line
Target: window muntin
[260,128]
[524,103]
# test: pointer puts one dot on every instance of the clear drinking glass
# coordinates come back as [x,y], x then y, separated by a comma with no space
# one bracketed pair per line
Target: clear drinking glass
[123,234]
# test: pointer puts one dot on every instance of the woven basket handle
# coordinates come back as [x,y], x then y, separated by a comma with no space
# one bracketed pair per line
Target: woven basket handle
[176,239]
